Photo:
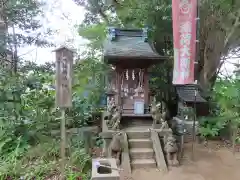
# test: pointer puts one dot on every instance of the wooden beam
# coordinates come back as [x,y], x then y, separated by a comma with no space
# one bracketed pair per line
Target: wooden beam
[118,86]
[146,87]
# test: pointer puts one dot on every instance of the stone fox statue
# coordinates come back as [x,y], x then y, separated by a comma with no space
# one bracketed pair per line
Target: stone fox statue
[171,150]
[165,111]
[115,147]
[109,113]
[156,113]
[116,118]
[113,118]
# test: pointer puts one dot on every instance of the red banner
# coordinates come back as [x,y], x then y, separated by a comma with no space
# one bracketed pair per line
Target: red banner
[184,14]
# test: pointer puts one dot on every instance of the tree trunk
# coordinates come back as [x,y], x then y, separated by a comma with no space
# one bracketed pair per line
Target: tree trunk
[210,56]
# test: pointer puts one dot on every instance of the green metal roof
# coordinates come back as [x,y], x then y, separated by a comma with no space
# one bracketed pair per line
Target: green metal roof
[128,43]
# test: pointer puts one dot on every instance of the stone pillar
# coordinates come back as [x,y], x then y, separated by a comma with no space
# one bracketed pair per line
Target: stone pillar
[106,143]
[107,137]
[189,131]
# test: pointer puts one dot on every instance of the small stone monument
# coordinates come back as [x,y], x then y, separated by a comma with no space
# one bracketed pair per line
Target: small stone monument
[105,169]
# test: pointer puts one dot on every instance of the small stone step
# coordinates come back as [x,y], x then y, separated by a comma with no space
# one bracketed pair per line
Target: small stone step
[141,153]
[140,143]
[138,134]
[143,163]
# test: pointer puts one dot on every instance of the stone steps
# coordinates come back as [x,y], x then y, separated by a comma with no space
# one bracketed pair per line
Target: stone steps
[143,163]
[140,143]
[141,153]
[138,134]
[141,148]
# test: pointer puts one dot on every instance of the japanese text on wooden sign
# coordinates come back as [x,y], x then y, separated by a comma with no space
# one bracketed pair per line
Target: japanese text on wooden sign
[64,79]
[184,13]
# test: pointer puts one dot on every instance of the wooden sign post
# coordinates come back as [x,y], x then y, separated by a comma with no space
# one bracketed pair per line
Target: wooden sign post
[64,71]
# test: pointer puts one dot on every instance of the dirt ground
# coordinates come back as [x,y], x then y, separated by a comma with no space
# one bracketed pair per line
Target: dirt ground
[211,163]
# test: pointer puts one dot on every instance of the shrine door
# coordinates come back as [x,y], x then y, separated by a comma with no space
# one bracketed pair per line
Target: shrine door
[132,89]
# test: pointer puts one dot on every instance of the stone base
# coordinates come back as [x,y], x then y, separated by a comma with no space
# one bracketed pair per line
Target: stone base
[156,126]
[103,173]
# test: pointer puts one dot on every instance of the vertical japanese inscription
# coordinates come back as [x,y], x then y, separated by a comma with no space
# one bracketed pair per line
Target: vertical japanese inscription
[64,73]
[184,28]
[64,79]
[185,38]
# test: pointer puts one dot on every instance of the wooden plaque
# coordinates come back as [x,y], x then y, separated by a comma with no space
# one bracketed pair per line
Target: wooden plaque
[64,73]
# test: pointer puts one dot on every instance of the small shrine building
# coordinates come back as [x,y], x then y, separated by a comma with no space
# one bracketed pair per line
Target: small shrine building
[131,55]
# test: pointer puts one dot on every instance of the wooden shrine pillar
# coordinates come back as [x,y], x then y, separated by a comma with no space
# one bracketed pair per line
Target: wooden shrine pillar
[118,87]
[146,87]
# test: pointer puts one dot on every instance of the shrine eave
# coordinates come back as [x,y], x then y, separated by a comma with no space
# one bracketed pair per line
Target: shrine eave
[132,57]
[63,47]
[187,94]
[132,62]
[121,50]
[129,44]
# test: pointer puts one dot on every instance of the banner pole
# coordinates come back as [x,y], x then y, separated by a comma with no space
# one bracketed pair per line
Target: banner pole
[196,77]
[194,121]
[197,54]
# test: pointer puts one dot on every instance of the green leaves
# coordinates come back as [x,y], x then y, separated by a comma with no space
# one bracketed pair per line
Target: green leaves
[211,126]
[88,89]
[29,121]
[22,17]
[96,34]
[226,95]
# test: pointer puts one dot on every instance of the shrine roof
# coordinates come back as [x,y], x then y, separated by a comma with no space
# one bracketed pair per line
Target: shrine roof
[64,47]
[129,43]
[187,93]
